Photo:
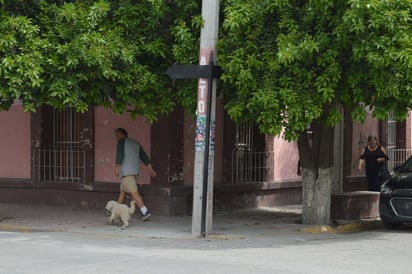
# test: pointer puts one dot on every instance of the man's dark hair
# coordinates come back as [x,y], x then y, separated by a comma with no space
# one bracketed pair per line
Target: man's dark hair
[121,131]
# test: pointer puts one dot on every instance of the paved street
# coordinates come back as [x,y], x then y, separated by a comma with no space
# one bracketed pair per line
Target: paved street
[66,240]
[375,251]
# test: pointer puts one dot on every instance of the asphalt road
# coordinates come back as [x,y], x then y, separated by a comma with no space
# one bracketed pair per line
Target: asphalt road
[376,251]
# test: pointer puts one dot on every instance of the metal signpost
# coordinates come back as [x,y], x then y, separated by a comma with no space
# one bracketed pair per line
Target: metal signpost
[205,116]
[208,72]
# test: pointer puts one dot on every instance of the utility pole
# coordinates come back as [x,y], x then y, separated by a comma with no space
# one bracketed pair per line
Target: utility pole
[202,216]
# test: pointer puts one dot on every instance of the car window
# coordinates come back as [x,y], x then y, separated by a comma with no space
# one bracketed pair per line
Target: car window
[407,166]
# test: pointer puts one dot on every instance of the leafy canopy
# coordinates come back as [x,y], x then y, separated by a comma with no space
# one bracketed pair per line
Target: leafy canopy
[286,63]
[83,53]
[289,63]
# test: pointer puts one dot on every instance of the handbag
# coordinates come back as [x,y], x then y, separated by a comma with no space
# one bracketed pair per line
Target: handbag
[383,173]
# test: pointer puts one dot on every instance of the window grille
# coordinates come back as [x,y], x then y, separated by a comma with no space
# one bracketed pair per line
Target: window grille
[59,165]
[391,131]
[251,166]
[60,159]
[248,163]
[395,155]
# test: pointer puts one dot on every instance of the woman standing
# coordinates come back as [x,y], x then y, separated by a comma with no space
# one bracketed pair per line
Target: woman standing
[374,156]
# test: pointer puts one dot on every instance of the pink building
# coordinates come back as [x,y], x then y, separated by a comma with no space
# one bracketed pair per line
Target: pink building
[66,158]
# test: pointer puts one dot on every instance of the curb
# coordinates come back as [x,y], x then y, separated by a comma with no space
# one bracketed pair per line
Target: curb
[18,228]
[358,226]
[226,237]
[345,228]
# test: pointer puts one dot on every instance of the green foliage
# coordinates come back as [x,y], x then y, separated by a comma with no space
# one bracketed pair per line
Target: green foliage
[186,30]
[286,63]
[21,65]
[85,53]
[289,63]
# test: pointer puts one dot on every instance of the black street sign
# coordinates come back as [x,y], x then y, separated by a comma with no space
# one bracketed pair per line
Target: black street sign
[193,71]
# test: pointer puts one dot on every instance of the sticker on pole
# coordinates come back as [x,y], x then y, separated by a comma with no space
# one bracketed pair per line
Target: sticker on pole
[200,133]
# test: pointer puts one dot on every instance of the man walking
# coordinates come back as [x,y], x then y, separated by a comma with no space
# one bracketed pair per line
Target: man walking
[128,155]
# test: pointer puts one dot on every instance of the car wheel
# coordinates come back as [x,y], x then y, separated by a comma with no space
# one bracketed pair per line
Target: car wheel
[388,225]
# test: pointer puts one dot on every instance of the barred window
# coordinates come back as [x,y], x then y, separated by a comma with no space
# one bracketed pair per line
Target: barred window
[60,157]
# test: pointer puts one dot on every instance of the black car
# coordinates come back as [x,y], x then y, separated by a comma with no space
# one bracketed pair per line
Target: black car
[395,205]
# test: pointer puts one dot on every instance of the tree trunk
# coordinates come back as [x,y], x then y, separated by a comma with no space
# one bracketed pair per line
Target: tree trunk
[316,159]
[316,195]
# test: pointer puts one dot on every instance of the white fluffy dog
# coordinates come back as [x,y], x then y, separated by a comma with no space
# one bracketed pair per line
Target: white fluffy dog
[120,211]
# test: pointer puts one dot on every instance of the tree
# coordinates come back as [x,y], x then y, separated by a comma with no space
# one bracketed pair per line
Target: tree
[85,53]
[289,65]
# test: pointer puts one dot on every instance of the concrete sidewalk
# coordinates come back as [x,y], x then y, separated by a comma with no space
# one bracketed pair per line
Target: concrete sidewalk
[264,222]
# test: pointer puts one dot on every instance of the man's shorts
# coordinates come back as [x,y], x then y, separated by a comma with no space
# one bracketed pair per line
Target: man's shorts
[129,184]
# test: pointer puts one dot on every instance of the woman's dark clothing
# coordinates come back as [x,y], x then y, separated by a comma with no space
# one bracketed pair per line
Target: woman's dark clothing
[372,167]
